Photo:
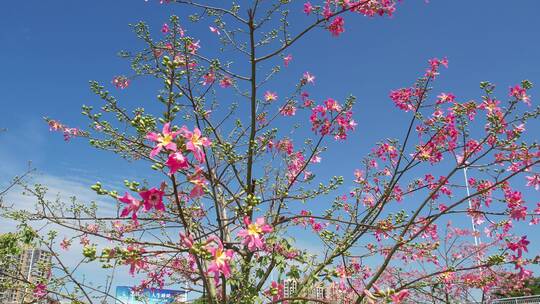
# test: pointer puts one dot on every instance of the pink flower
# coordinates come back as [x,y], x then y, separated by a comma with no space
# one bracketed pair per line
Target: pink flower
[518,213]
[55,125]
[336,27]
[92,228]
[254,232]
[193,47]
[153,198]
[165,28]
[70,132]
[120,82]
[442,207]
[402,99]
[520,94]
[214,30]
[398,193]
[533,181]
[519,246]
[308,78]
[196,142]
[308,8]
[135,259]
[180,31]
[288,110]
[209,78]
[398,298]
[270,96]
[287,59]
[163,140]
[434,65]
[198,181]
[40,291]
[276,291]
[65,244]
[187,241]
[132,207]
[444,97]
[225,82]
[221,259]
[184,61]
[177,161]
[84,240]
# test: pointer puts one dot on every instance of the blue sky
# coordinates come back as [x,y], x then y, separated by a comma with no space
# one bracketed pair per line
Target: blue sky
[50,49]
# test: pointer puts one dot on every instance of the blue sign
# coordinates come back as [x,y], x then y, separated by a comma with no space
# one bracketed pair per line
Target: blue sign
[125,295]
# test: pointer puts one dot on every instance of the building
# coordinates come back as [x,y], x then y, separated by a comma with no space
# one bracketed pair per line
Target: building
[318,292]
[330,293]
[31,266]
[290,286]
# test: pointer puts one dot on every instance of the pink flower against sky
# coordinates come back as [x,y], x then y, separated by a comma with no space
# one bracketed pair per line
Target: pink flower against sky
[196,142]
[308,78]
[308,8]
[133,206]
[519,246]
[400,297]
[534,181]
[135,259]
[193,47]
[165,28]
[153,198]
[209,78]
[221,259]
[520,93]
[120,82]
[165,140]
[337,26]
[198,181]
[270,96]
[215,30]
[287,59]
[288,110]
[225,82]
[254,232]
[176,161]
[65,244]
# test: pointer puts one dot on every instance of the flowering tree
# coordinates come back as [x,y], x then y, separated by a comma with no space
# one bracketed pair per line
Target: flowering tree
[232,186]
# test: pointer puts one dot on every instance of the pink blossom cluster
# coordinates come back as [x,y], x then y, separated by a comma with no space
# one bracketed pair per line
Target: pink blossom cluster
[275,291]
[329,118]
[121,82]
[68,133]
[135,259]
[337,26]
[194,143]
[520,93]
[151,199]
[304,219]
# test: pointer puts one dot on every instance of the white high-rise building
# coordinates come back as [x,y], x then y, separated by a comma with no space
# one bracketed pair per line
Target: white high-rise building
[29,266]
[290,286]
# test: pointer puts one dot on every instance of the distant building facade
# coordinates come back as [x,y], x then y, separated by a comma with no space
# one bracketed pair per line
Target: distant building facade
[290,286]
[330,293]
[31,265]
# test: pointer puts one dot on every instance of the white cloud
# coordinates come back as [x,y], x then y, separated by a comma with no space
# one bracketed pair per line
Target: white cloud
[63,189]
